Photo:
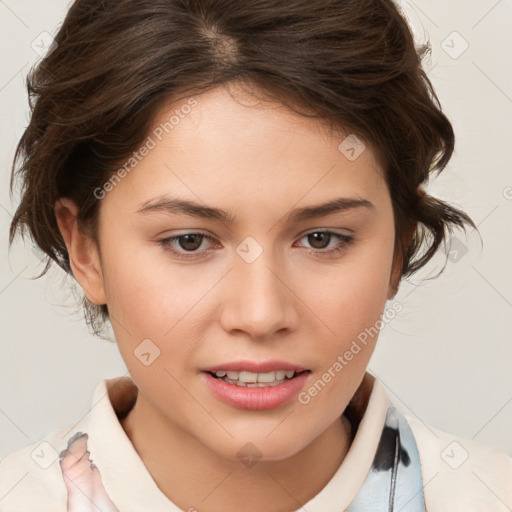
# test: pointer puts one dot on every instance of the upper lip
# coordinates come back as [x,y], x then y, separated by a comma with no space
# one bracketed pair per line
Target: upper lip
[255,366]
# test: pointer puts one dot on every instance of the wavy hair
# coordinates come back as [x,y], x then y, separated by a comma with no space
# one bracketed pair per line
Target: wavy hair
[352,63]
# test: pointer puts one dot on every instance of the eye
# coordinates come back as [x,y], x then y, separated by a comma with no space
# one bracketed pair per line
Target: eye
[191,243]
[321,239]
[188,243]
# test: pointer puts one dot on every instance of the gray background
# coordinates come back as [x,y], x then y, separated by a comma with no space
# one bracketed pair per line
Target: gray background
[445,358]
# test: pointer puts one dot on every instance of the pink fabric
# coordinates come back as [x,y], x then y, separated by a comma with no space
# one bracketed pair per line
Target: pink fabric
[82,478]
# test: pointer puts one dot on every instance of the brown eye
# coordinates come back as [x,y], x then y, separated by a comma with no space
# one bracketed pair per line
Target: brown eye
[188,245]
[190,242]
[318,239]
[319,242]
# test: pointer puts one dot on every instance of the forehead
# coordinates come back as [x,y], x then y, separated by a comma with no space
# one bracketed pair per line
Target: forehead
[233,144]
[231,113]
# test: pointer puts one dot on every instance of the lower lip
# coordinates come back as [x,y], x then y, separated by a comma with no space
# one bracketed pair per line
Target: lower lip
[256,398]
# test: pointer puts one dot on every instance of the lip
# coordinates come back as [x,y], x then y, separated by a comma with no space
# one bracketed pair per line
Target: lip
[256,398]
[255,366]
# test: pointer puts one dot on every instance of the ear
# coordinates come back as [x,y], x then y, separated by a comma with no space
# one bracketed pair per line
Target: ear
[394,278]
[398,259]
[83,253]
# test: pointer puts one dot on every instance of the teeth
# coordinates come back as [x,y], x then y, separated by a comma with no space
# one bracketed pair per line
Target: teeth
[255,378]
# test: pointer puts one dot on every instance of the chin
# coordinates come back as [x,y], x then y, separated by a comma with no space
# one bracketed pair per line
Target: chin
[249,450]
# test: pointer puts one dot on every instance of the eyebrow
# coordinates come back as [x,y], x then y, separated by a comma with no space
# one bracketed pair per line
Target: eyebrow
[175,206]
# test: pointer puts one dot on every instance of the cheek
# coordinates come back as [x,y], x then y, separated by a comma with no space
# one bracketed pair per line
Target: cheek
[145,292]
[152,299]
[352,296]
[352,308]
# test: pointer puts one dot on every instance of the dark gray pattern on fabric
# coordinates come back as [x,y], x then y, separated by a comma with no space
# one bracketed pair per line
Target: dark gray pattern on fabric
[394,482]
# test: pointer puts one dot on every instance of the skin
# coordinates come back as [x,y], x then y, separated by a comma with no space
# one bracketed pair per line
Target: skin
[257,160]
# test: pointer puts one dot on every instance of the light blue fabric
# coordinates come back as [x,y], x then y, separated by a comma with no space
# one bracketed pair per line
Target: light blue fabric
[394,482]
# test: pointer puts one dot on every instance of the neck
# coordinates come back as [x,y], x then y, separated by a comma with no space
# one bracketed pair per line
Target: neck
[191,475]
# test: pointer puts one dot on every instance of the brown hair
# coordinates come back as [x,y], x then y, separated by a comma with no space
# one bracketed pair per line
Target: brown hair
[352,62]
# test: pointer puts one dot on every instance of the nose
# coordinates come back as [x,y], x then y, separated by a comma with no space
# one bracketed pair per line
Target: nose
[260,302]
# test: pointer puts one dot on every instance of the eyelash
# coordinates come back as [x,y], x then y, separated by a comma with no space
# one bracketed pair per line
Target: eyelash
[345,240]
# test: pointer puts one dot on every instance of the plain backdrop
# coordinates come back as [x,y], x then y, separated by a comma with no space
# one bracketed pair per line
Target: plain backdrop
[446,358]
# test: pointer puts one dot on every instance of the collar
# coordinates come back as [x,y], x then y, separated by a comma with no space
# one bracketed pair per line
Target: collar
[370,473]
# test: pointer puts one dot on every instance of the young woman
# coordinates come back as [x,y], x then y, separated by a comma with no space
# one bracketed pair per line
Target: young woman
[237,187]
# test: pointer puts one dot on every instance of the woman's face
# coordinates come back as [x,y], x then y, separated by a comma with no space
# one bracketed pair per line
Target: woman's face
[257,283]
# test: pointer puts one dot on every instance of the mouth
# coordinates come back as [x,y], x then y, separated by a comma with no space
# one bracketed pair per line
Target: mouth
[256,386]
[256,380]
